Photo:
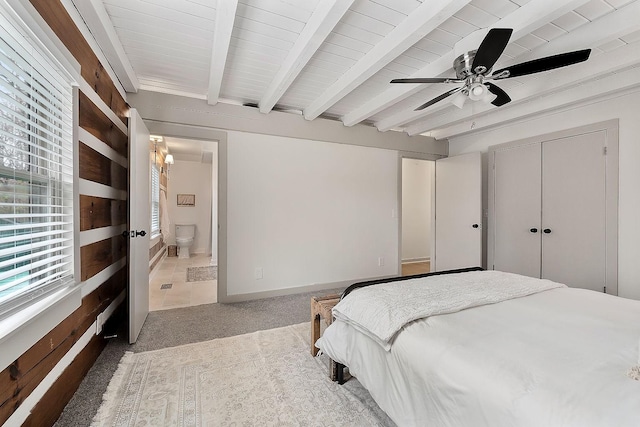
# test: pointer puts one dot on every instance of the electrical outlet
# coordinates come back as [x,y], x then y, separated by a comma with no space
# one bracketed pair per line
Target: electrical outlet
[99,324]
[380,261]
[258,273]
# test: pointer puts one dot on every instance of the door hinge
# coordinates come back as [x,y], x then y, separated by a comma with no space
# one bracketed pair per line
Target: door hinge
[604,151]
[604,289]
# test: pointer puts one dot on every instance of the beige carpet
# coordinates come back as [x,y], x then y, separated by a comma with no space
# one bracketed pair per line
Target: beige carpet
[266,378]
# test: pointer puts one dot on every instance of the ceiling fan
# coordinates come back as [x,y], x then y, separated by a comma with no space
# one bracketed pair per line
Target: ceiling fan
[473,68]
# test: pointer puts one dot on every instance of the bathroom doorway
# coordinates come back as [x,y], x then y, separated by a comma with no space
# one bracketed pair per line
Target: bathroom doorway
[187,274]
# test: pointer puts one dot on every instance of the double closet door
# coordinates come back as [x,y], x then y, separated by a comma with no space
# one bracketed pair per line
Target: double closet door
[548,211]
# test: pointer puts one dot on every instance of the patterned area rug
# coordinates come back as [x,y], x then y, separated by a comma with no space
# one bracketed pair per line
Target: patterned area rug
[199,274]
[266,378]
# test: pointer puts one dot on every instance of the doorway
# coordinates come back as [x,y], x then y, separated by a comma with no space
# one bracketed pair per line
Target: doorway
[188,274]
[417,215]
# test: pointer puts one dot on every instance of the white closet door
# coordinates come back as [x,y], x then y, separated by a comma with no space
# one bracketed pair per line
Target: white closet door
[573,210]
[458,206]
[517,215]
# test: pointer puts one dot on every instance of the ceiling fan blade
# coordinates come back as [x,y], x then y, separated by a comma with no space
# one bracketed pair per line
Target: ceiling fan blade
[544,64]
[502,97]
[439,98]
[490,49]
[427,80]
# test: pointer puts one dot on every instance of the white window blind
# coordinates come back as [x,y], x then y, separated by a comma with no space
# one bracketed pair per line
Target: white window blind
[36,174]
[155,199]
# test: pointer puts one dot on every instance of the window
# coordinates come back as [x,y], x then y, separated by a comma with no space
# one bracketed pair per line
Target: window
[155,199]
[36,174]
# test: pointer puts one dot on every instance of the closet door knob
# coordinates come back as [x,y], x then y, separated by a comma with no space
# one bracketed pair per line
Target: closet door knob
[533,230]
[547,231]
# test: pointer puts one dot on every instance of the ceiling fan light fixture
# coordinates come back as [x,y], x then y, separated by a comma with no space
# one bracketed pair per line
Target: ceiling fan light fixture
[477,91]
[489,97]
[459,100]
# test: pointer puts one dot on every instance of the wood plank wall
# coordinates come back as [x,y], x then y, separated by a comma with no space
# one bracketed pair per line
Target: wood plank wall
[19,379]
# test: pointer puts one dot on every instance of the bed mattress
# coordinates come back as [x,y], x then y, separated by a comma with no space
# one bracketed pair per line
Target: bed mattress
[559,357]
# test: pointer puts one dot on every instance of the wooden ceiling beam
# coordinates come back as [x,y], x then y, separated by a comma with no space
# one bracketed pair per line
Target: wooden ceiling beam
[225,17]
[424,19]
[323,20]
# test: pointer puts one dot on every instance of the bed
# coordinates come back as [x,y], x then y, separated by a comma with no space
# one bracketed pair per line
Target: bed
[486,348]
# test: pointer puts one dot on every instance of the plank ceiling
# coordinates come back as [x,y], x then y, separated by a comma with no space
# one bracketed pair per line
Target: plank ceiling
[335,58]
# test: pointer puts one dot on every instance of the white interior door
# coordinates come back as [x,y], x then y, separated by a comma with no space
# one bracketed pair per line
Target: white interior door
[574,211]
[139,222]
[516,220]
[458,212]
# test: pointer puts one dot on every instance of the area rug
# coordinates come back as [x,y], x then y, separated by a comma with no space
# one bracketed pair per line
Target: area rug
[199,274]
[266,378]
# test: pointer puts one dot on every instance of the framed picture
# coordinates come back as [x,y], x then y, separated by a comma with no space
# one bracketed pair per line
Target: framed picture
[186,199]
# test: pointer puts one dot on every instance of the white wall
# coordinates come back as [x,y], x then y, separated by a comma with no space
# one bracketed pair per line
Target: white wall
[308,212]
[416,209]
[191,178]
[626,108]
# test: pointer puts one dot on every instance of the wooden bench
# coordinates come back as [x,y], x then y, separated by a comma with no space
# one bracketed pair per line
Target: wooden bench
[321,309]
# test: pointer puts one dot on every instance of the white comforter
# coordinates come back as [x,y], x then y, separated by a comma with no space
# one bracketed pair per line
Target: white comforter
[382,310]
[555,358]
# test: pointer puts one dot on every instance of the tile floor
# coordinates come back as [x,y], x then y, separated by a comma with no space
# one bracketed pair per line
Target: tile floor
[182,293]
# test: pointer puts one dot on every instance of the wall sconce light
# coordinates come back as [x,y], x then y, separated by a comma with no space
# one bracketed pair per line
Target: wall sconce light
[168,159]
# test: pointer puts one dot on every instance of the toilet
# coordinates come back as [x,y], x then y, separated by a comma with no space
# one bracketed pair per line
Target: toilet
[184,239]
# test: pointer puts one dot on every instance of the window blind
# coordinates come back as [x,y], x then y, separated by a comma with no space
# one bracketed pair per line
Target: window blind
[36,174]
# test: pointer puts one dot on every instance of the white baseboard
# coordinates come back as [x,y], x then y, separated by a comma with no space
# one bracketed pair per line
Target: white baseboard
[296,290]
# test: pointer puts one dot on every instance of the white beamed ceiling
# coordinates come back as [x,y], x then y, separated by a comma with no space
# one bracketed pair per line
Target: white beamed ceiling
[357,47]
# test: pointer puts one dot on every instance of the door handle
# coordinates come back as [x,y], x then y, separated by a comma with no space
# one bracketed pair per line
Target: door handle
[475,226]
[547,231]
[533,230]
[136,233]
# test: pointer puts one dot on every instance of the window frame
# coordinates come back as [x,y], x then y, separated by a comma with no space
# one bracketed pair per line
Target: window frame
[21,330]
[37,132]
